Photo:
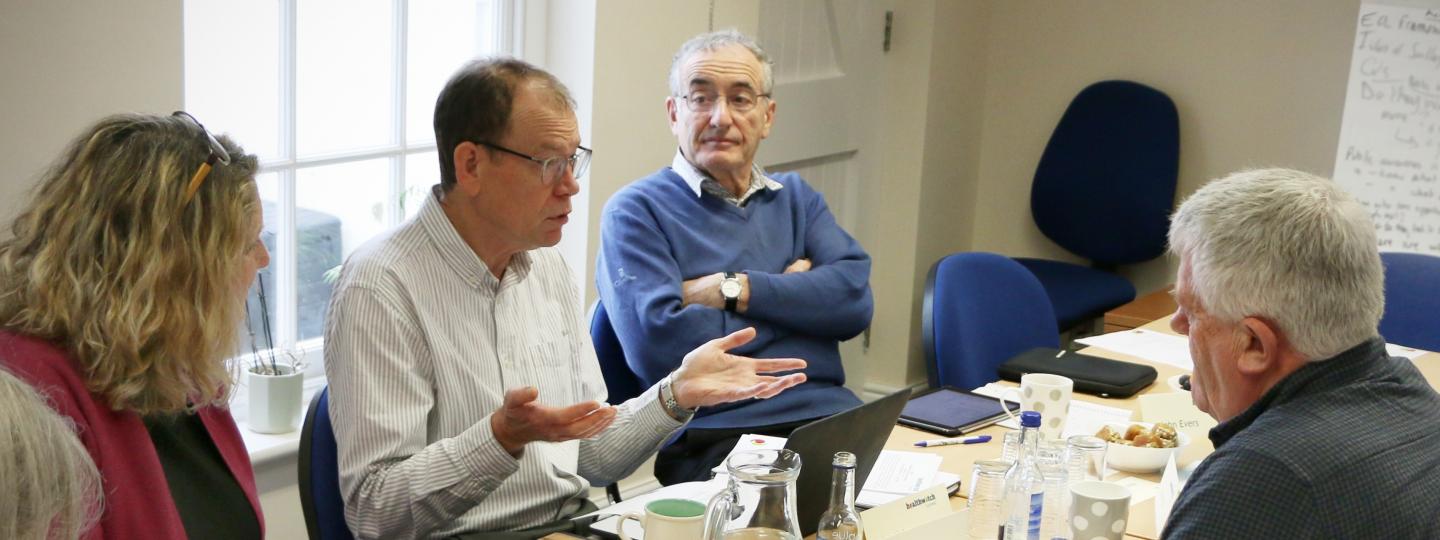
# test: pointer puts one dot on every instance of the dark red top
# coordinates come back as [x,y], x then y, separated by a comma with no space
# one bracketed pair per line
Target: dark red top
[137,500]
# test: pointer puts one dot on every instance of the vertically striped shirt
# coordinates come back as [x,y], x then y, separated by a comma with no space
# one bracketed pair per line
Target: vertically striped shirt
[421,342]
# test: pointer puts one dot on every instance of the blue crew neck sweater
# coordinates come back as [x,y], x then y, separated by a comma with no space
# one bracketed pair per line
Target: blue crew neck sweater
[656,233]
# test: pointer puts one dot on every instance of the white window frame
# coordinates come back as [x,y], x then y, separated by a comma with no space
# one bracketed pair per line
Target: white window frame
[509,16]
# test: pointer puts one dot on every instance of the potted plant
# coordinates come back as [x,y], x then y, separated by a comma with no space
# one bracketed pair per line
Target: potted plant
[275,393]
[275,385]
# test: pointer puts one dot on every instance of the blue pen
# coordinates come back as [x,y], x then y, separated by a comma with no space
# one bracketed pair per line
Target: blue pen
[947,442]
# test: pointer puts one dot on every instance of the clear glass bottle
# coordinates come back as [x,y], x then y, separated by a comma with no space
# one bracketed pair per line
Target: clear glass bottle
[1025,485]
[841,521]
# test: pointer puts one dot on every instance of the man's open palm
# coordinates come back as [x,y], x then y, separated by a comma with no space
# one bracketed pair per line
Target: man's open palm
[711,376]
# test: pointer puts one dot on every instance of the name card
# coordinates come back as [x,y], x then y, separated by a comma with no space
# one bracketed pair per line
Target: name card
[893,521]
[1176,409]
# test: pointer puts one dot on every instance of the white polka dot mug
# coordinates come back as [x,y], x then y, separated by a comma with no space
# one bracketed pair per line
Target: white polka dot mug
[1048,395]
[1099,510]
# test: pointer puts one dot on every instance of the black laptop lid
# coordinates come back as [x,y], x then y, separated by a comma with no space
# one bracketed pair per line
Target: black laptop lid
[862,431]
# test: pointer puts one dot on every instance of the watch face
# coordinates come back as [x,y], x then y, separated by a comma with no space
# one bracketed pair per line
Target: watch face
[730,288]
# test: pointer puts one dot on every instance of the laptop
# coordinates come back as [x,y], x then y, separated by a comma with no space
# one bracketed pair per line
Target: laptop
[862,431]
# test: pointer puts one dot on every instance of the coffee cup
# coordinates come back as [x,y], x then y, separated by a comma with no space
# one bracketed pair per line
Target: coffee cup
[1099,510]
[668,519]
[1046,394]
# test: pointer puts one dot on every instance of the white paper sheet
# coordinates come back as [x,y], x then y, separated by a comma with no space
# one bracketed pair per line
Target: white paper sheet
[750,442]
[1401,350]
[1085,418]
[1148,344]
[897,474]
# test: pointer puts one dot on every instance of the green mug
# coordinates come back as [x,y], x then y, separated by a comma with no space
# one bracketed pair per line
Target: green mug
[668,519]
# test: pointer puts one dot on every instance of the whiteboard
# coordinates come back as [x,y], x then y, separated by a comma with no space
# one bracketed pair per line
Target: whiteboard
[1389,152]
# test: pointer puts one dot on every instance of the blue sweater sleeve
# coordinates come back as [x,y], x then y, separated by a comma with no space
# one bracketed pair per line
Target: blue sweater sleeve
[638,280]
[833,298]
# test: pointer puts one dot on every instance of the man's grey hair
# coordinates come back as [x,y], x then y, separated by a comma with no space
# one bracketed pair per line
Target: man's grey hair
[1286,246]
[718,40]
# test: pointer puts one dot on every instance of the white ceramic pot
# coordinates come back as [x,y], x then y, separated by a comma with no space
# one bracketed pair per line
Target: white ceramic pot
[275,404]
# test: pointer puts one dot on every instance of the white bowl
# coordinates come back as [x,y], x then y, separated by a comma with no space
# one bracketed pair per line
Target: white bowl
[1134,459]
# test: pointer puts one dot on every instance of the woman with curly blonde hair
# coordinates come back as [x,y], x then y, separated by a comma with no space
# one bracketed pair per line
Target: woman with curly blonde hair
[121,295]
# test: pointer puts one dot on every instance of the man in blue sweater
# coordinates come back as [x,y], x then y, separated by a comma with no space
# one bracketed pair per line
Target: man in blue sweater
[713,244]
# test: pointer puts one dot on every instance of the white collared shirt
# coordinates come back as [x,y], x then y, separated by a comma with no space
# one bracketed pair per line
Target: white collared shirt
[700,182]
[421,343]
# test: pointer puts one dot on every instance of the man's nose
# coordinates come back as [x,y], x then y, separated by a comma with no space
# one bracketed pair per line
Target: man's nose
[720,115]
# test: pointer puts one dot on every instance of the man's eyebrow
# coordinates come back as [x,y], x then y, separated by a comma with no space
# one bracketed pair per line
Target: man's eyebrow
[702,82]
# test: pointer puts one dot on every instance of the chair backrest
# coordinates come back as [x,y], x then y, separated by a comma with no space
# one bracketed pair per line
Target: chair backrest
[621,384]
[320,474]
[980,309]
[1412,300]
[1105,186]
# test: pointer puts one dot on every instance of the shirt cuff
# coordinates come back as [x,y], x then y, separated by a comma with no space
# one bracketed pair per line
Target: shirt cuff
[650,415]
[481,454]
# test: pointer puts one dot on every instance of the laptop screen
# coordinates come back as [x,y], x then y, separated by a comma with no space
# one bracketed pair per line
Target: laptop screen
[862,431]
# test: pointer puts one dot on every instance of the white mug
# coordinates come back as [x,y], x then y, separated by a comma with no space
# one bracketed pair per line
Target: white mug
[668,519]
[1099,510]
[1046,394]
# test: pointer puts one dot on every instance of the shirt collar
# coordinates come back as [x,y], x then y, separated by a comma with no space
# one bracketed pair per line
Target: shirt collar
[457,254]
[1315,376]
[694,177]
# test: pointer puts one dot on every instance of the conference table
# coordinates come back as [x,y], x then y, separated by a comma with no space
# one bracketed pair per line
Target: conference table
[959,459]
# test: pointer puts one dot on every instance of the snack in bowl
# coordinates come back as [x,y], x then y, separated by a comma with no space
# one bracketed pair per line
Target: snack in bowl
[1160,435]
[1140,447]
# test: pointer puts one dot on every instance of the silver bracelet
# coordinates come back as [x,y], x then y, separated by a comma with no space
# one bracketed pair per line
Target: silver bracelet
[672,407]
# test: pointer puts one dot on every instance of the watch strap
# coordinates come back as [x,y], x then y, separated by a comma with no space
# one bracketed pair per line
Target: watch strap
[731,302]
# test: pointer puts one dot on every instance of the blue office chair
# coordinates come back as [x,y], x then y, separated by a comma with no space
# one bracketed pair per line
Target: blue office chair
[320,474]
[1103,190]
[981,309]
[621,383]
[1412,300]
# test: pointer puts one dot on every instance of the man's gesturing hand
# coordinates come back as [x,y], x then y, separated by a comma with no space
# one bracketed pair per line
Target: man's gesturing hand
[522,420]
[710,376]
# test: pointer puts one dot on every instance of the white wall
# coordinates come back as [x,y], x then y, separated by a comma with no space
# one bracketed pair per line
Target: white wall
[1256,83]
[67,64]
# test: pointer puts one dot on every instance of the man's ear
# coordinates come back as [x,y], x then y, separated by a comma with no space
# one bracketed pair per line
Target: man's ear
[769,119]
[1262,348]
[468,162]
[672,113]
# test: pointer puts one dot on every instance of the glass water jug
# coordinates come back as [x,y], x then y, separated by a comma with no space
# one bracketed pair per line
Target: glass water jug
[759,503]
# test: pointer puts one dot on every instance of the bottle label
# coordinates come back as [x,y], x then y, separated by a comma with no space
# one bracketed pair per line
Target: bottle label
[1037,504]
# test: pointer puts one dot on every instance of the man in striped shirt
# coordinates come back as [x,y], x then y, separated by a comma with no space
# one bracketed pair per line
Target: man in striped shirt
[466,397]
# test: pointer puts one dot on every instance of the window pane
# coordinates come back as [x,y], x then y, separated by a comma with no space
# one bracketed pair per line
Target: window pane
[421,171]
[443,35]
[269,184]
[344,87]
[232,71]
[338,207]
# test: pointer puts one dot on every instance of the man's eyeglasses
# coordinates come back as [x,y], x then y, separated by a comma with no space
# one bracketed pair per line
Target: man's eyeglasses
[552,169]
[704,102]
[217,155]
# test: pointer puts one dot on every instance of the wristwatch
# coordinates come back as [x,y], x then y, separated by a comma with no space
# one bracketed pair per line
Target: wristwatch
[672,407]
[730,290]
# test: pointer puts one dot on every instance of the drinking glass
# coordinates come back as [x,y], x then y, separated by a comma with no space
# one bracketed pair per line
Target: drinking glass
[1085,455]
[986,495]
